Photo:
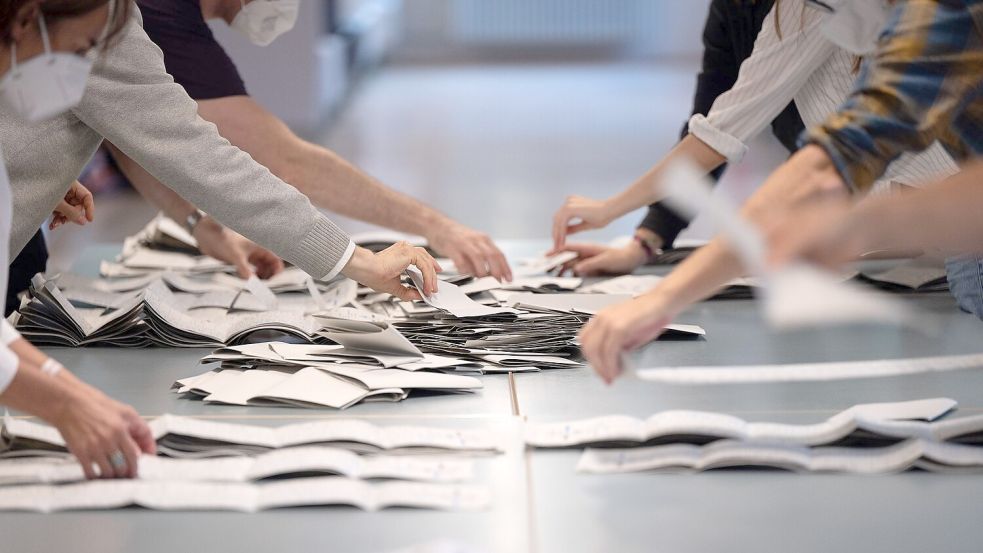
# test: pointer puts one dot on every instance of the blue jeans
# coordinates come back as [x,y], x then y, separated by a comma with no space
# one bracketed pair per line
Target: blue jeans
[965,275]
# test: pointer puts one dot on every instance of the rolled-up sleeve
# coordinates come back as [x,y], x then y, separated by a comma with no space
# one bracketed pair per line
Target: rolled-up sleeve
[767,82]
[909,94]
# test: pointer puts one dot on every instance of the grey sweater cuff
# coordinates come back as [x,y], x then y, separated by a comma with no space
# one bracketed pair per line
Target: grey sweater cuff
[325,250]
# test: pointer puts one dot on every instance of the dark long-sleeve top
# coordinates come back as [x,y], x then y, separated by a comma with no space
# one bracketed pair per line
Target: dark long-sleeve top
[728,39]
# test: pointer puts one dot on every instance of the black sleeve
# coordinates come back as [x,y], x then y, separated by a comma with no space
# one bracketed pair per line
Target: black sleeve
[191,54]
[33,259]
[718,74]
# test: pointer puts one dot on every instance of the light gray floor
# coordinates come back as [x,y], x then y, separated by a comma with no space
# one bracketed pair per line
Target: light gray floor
[540,503]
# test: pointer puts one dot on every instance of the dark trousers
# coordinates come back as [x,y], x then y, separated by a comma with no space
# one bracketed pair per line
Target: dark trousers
[33,259]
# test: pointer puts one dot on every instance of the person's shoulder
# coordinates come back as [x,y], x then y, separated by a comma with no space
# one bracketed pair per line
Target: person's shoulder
[178,14]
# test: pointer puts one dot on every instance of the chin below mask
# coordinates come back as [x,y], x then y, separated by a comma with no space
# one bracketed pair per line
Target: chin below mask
[262,21]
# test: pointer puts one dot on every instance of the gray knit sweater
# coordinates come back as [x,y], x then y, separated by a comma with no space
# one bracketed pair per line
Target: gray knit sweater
[132,102]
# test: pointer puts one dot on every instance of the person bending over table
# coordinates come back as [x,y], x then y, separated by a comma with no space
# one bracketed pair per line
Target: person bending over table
[42,72]
[921,85]
[728,39]
[132,102]
[199,63]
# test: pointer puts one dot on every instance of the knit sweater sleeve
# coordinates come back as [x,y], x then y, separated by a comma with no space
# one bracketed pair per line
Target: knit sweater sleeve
[136,105]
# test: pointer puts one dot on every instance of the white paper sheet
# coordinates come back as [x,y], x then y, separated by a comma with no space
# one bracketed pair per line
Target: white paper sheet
[805,372]
[450,298]
[330,490]
[616,428]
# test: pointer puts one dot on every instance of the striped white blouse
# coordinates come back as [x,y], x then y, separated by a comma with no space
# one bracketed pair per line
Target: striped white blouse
[801,65]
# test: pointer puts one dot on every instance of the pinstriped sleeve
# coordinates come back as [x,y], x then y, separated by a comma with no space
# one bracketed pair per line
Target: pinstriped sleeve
[768,80]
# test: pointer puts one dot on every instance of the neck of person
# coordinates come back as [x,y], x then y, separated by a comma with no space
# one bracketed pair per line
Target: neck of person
[220,9]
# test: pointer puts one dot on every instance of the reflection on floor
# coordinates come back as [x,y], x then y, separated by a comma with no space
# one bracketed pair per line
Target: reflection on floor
[496,146]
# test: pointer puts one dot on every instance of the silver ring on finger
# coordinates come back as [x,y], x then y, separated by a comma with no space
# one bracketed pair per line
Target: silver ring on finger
[117,460]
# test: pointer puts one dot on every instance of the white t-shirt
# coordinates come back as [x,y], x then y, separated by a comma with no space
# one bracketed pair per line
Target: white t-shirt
[804,66]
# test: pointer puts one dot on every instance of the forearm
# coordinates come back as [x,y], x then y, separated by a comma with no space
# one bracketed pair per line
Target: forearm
[943,217]
[36,393]
[647,189]
[697,278]
[336,185]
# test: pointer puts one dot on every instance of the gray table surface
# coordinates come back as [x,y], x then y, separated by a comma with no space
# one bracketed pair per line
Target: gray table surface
[540,502]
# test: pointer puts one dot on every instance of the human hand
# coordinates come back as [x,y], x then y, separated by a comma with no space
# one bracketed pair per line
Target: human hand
[382,271]
[619,329]
[578,214]
[77,207]
[103,432]
[598,259]
[226,245]
[473,252]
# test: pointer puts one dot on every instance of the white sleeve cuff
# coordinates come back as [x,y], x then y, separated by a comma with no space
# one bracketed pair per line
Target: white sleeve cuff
[345,258]
[725,144]
[8,367]
[7,333]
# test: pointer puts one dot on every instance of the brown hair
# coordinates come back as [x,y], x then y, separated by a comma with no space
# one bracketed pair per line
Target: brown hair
[58,10]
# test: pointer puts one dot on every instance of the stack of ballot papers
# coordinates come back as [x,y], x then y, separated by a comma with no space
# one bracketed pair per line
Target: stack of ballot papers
[335,376]
[220,466]
[174,310]
[883,437]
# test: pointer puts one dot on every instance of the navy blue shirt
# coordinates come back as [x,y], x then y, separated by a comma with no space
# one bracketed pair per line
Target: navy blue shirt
[191,54]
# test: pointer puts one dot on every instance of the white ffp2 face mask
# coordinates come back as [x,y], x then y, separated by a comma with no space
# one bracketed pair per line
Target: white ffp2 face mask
[46,85]
[855,25]
[265,20]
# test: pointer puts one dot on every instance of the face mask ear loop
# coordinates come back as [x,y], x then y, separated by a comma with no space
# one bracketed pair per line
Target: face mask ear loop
[44,34]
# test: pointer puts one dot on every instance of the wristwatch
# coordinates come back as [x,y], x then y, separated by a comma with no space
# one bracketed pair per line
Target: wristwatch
[193,219]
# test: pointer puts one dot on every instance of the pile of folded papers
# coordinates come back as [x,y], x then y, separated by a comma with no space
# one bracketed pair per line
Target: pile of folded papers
[203,465]
[161,292]
[864,439]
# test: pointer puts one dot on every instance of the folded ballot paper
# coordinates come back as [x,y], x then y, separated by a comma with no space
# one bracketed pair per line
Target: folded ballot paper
[697,427]
[314,383]
[189,438]
[280,463]
[450,298]
[242,497]
[897,457]
[636,285]
[917,276]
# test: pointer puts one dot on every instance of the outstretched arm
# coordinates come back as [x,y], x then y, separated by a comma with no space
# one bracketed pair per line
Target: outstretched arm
[335,184]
